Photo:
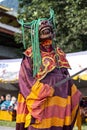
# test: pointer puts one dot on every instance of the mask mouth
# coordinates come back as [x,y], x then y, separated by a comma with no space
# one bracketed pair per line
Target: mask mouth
[45,32]
[46,37]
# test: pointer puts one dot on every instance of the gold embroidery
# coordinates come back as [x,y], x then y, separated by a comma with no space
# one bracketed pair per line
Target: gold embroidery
[49,61]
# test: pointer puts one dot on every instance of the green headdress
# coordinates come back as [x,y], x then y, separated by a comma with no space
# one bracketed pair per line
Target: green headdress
[34,26]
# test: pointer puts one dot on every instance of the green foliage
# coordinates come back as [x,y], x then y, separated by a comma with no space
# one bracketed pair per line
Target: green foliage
[71,20]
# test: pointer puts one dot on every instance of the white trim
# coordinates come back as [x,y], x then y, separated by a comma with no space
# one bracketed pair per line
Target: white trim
[8,27]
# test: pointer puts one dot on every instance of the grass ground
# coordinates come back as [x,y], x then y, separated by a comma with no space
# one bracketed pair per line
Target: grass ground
[13,123]
[8,123]
[84,127]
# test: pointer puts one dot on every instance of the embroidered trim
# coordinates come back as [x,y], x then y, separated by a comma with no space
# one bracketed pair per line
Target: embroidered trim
[49,61]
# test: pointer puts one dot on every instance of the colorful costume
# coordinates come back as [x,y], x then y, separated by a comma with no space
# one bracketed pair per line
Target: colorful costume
[41,104]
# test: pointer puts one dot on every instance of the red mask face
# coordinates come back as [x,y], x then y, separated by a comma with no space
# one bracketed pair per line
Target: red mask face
[46,43]
[45,31]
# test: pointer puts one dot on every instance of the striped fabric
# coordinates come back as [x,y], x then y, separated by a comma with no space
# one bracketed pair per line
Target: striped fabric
[54,111]
[41,105]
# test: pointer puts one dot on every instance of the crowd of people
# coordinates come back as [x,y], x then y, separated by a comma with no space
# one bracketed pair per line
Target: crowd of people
[8,102]
[83,106]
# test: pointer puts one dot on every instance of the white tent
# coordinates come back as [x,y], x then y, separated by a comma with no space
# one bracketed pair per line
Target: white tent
[77,62]
[9,71]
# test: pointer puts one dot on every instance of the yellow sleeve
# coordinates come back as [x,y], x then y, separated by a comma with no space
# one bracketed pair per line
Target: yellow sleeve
[37,97]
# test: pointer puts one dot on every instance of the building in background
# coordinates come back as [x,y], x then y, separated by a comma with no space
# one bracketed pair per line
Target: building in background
[8,27]
[8,51]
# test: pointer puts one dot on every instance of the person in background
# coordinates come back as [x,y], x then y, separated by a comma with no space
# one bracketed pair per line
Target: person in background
[2,99]
[6,103]
[13,104]
[42,104]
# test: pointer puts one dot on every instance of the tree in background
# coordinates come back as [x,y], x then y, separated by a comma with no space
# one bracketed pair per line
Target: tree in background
[71,20]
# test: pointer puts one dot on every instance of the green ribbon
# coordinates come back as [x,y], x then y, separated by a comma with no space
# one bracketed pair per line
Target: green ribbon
[34,26]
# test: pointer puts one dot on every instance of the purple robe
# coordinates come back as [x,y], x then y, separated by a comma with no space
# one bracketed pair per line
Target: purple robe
[56,110]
